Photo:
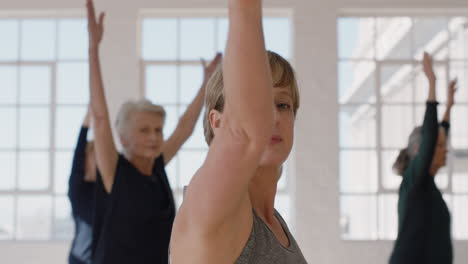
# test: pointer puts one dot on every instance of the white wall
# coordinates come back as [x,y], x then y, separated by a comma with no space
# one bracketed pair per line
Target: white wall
[316,151]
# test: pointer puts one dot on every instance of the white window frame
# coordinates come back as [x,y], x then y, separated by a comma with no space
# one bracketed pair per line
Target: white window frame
[53,105]
[379,63]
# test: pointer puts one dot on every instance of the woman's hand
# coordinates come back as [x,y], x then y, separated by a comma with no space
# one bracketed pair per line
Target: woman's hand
[95,27]
[209,69]
[452,89]
[428,67]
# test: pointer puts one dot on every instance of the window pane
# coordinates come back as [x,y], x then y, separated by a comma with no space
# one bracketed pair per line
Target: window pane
[34,217]
[459,38]
[171,171]
[388,216]
[197,140]
[38,39]
[7,217]
[72,39]
[390,180]
[358,171]
[72,83]
[460,217]
[190,162]
[283,181]
[459,70]
[429,34]
[161,84]
[34,127]
[460,172]
[396,84]
[223,28]
[459,130]
[278,35]
[442,178]
[191,79]
[357,126]
[8,165]
[356,37]
[397,124]
[34,170]
[160,39]
[63,165]
[178,200]
[393,38]
[35,84]
[9,30]
[8,82]
[69,121]
[356,82]
[359,217]
[197,38]
[448,200]
[170,122]
[8,131]
[283,205]
[63,225]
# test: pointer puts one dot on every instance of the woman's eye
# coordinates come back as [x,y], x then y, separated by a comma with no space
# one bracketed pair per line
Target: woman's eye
[283,106]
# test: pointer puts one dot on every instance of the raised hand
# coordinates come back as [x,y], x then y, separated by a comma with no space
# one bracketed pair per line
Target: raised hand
[428,67]
[95,27]
[208,70]
[452,89]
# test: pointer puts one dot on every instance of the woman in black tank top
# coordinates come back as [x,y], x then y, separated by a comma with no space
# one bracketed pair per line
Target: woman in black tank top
[228,213]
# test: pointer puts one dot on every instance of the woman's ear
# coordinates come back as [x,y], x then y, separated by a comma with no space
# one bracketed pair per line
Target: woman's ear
[123,140]
[215,119]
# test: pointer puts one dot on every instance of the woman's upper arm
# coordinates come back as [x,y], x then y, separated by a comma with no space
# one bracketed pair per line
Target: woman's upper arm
[106,152]
[219,189]
[421,164]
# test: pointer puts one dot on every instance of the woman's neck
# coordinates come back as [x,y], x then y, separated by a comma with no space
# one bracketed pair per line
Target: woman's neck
[262,191]
[433,170]
[144,165]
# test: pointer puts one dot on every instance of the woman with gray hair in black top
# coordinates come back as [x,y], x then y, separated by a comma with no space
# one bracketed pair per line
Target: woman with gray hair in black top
[134,206]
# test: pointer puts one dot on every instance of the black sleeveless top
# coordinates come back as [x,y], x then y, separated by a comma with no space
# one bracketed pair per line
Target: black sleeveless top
[133,223]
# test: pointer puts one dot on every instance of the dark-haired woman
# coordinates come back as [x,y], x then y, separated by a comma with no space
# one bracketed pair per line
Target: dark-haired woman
[423,216]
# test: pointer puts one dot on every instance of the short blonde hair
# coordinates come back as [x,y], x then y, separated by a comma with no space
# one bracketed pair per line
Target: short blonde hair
[130,107]
[283,76]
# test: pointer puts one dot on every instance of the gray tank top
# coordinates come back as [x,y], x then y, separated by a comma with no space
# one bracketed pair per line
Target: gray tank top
[264,248]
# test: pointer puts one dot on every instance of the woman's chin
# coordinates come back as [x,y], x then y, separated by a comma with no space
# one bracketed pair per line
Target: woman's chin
[271,162]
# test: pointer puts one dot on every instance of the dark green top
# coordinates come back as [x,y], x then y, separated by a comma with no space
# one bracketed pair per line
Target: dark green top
[423,216]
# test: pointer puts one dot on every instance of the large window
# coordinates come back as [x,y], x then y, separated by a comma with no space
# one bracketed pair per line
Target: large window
[44,85]
[382,93]
[172,45]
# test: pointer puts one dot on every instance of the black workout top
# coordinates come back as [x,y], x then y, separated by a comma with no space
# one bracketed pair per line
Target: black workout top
[81,195]
[133,223]
[423,216]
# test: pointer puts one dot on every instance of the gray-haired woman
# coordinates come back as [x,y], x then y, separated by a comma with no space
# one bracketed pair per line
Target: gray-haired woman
[134,208]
